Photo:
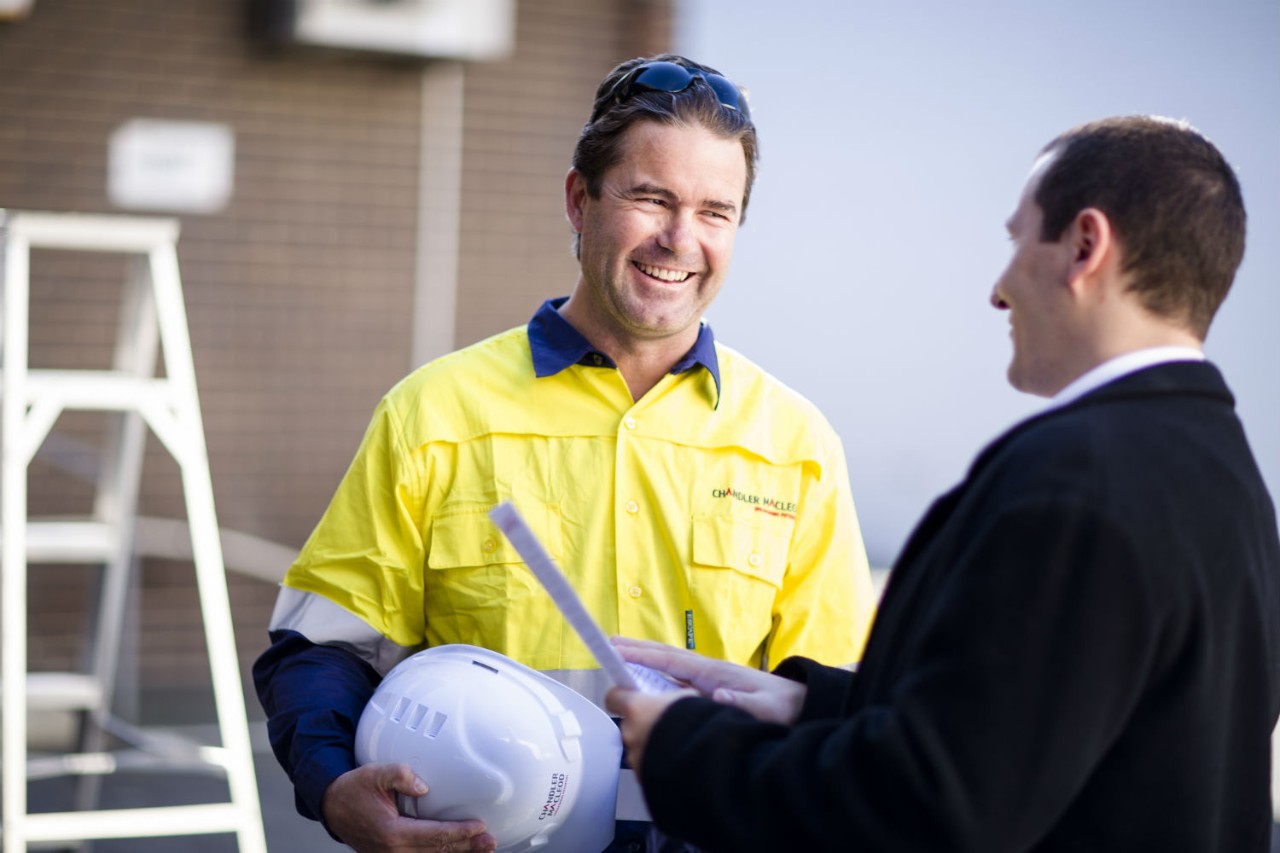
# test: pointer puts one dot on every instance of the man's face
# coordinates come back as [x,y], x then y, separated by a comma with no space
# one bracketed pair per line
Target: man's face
[656,244]
[1033,289]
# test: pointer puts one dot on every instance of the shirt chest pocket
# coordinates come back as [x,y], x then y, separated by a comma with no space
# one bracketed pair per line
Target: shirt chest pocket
[735,577]
[478,590]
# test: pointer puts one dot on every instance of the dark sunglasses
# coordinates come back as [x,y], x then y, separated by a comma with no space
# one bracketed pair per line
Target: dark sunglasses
[663,76]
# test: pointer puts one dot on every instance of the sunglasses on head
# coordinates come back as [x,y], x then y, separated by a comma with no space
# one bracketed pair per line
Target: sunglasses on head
[663,76]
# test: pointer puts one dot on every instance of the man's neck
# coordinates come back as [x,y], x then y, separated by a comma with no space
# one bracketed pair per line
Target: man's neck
[1153,333]
[1126,327]
[641,361]
[1122,365]
[643,370]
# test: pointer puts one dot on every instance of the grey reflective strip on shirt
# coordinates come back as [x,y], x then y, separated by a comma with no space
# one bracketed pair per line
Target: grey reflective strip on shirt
[325,623]
[631,804]
[591,683]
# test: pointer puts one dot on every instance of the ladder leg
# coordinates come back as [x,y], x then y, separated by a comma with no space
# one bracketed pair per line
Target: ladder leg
[13,558]
[207,549]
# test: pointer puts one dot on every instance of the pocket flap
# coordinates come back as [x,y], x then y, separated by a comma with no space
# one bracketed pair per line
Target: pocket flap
[726,543]
[472,539]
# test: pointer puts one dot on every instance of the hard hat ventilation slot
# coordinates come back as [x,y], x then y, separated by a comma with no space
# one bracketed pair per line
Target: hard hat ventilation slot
[436,724]
[402,705]
[415,719]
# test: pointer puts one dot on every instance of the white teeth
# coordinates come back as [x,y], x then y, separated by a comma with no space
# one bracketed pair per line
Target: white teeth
[663,274]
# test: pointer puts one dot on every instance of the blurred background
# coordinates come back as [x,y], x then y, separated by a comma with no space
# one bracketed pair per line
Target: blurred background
[895,141]
[363,185]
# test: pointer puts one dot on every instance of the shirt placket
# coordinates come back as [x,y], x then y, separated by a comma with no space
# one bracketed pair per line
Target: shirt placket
[630,519]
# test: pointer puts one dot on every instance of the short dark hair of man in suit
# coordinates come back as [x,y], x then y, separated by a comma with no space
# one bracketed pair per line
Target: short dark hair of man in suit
[1172,199]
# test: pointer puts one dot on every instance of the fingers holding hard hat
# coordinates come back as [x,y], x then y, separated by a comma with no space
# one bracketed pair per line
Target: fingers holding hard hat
[769,698]
[360,808]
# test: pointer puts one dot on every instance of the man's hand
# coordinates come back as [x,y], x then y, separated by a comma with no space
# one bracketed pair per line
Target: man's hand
[768,698]
[360,808]
[639,711]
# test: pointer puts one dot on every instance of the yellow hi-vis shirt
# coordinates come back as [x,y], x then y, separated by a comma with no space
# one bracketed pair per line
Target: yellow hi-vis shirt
[725,528]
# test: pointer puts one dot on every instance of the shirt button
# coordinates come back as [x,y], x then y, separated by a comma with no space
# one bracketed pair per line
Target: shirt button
[489,546]
[597,359]
[635,591]
[633,507]
[629,423]
[754,561]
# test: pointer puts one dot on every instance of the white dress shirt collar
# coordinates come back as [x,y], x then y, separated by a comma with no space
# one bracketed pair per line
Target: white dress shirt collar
[1123,365]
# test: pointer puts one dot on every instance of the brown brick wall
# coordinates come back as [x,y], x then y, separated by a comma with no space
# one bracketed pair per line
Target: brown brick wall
[523,116]
[299,293]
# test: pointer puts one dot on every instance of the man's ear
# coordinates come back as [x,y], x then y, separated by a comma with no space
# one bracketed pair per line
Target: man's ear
[575,195]
[1092,243]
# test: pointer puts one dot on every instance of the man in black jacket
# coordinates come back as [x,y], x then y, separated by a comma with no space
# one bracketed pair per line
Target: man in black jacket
[1079,647]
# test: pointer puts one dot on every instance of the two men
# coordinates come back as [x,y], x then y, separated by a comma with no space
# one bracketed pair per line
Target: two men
[690,497]
[1079,647]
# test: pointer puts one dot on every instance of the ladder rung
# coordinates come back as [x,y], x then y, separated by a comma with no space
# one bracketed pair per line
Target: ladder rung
[87,231]
[135,823]
[129,760]
[63,691]
[71,541]
[96,389]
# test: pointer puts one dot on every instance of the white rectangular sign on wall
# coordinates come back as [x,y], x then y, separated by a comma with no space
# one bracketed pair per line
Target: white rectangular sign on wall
[172,166]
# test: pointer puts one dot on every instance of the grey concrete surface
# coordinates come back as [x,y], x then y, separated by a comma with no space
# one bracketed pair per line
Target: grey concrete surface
[286,831]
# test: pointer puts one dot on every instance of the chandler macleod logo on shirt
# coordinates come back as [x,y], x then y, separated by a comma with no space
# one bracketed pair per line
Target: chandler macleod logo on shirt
[759,503]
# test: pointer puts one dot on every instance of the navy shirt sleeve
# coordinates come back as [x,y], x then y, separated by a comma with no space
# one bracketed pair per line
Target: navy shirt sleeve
[314,696]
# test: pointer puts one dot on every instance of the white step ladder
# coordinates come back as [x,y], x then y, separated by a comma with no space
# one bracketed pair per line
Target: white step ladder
[152,316]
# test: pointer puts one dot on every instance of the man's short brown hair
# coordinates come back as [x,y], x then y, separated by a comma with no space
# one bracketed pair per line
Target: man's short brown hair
[1173,202]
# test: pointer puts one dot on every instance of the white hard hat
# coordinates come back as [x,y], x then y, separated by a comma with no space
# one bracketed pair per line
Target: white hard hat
[498,741]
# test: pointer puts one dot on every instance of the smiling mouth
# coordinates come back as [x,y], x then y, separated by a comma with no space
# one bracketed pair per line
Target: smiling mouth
[661,274]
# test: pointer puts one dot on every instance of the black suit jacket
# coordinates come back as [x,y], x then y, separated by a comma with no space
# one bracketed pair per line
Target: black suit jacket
[1078,649]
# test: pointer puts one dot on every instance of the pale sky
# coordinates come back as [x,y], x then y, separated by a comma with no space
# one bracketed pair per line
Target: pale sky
[895,139]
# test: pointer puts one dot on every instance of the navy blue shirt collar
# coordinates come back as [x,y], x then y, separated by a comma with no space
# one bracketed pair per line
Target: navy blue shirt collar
[555,345]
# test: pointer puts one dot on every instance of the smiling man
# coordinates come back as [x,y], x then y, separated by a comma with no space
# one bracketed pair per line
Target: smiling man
[655,244]
[689,496]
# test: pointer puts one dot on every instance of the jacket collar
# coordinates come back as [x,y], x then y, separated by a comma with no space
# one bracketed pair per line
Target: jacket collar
[1179,378]
[1171,379]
